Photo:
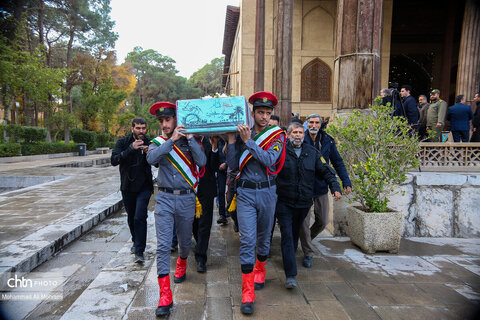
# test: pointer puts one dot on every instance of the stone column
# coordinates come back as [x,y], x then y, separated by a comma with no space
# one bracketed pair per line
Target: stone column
[468,75]
[283,60]
[259,68]
[357,66]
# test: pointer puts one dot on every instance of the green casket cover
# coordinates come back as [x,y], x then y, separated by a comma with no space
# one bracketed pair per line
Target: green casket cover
[212,116]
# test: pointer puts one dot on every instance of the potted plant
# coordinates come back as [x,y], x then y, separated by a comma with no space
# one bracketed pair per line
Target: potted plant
[378,151]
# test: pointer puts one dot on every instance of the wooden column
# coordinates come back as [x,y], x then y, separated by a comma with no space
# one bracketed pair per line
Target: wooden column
[283,60]
[259,71]
[357,63]
[468,76]
[447,52]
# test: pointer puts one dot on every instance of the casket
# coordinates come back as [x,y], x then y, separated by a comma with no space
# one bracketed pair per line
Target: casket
[212,116]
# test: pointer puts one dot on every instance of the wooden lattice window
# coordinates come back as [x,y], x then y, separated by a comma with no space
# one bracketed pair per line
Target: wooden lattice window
[316,81]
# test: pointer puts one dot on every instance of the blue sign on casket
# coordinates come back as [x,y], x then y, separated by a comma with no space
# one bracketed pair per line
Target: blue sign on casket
[212,116]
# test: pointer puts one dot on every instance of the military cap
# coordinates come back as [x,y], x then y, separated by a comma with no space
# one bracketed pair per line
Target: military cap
[163,109]
[263,99]
[435,91]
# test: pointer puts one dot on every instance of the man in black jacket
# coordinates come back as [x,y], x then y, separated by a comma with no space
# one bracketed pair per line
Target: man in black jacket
[324,143]
[207,191]
[136,182]
[409,106]
[296,181]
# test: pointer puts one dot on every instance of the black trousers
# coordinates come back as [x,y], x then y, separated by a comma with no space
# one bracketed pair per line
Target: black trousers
[201,229]
[136,204]
[290,220]
[221,188]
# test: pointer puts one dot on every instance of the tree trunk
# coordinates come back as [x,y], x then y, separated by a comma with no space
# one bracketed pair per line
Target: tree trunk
[41,10]
[67,135]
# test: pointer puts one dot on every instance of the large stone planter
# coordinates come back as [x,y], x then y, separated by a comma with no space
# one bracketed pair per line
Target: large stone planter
[375,231]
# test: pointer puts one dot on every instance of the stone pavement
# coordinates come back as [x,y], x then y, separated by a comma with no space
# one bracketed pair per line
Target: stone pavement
[430,278]
[72,195]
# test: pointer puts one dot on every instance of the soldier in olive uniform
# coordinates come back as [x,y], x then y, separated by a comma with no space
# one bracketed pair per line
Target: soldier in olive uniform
[436,115]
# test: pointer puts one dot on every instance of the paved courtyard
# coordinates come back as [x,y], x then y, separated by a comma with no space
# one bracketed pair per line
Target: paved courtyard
[430,278]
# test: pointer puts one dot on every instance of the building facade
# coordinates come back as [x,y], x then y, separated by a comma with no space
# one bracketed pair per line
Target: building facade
[325,56]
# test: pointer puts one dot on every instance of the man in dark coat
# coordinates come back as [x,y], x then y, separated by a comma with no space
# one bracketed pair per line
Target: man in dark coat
[409,106]
[303,163]
[460,116]
[422,121]
[136,182]
[326,145]
[207,191]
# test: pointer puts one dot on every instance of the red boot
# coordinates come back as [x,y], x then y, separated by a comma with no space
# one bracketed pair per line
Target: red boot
[180,270]
[166,301]
[260,273]
[248,293]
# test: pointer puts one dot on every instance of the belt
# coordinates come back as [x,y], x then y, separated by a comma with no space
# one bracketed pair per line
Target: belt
[170,190]
[255,185]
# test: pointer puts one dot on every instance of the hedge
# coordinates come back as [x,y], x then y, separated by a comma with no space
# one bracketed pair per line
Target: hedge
[10,149]
[102,139]
[33,134]
[47,148]
[84,136]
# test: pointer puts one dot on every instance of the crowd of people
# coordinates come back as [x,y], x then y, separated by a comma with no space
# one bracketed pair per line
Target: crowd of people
[430,118]
[261,174]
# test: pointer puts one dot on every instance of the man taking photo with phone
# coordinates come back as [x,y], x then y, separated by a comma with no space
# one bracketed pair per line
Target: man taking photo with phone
[135,182]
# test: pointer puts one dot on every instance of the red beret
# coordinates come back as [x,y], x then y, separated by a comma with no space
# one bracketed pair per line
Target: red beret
[263,99]
[163,108]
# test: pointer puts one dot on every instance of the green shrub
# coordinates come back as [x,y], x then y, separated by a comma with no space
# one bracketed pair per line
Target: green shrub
[2,127]
[13,132]
[57,135]
[10,149]
[111,144]
[378,151]
[47,148]
[84,136]
[33,134]
[102,139]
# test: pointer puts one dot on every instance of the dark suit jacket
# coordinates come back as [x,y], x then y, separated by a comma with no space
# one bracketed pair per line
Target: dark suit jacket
[459,116]
[207,187]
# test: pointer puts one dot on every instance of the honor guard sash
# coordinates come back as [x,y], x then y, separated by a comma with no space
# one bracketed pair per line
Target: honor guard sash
[264,139]
[187,168]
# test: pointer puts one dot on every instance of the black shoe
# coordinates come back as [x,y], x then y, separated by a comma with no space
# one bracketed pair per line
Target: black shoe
[247,308]
[164,310]
[181,279]
[174,247]
[201,267]
[227,214]
[235,227]
[139,258]
[258,286]
[307,262]
[222,220]
[291,283]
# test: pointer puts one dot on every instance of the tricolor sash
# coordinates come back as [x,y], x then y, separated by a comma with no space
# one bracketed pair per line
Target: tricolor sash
[177,158]
[264,140]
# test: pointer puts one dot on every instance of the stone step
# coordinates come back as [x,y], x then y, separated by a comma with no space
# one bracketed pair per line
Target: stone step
[31,251]
[112,292]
